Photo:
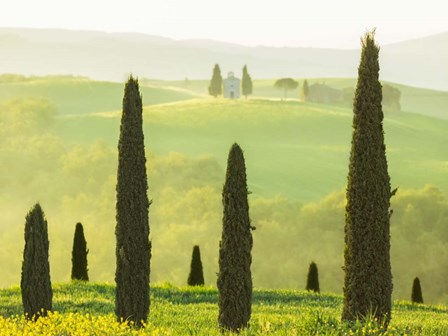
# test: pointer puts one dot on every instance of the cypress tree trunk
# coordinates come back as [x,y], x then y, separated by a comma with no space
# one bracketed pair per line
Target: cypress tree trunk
[417,296]
[196,277]
[79,255]
[234,277]
[133,250]
[35,284]
[368,278]
[312,281]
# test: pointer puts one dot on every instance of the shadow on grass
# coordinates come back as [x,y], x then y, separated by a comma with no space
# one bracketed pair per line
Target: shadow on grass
[194,295]
[95,299]
[99,299]
[409,306]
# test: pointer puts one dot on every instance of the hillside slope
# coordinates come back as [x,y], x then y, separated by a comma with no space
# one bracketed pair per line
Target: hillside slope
[297,163]
[74,95]
[432,103]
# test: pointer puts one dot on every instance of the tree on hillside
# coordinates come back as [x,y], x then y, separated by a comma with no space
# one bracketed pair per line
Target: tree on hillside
[391,97]
[368,278]
[286,84]
[133,250]
[246,83]
[79,255]
[215,87]
[305,91]
[416,296]
[35,284]
[196,277]
[312,281]
[235,258]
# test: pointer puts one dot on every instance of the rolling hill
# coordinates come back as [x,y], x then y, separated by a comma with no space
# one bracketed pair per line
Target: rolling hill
[297,162]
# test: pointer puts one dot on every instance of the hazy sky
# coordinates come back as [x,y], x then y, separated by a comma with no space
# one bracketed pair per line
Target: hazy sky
[313,23]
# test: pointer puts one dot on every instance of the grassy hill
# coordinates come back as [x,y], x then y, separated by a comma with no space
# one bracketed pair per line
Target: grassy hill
[298,149]
[297,160]
[74,95]
[427,102]
[89,309]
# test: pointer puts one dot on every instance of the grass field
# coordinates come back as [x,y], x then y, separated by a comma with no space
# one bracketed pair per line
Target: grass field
[73,95]
[297,160]
[88,309]
[298,149]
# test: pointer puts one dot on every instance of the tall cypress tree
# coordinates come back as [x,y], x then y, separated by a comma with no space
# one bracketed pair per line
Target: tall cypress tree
[35,284]
[196,277]
[234,277]
[133,251]
[368,278]
[312,281]
[215,87]
[416,296]
[79,255]
[246,83]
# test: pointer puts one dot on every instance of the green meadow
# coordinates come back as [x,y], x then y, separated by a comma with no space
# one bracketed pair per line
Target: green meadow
[88,309]
[58,140]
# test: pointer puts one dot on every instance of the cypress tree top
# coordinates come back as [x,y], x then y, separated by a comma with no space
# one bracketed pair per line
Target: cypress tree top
[368,278]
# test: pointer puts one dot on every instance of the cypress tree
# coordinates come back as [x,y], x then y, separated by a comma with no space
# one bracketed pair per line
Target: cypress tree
[416,296]
[133,250]
[246,83]
[305,90]
[196,277]
[312,281]
[35,284]
[368,278]
[215,87]
[79,255]
[234,277]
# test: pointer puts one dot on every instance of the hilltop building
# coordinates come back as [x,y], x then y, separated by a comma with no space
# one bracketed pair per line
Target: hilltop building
[231,86]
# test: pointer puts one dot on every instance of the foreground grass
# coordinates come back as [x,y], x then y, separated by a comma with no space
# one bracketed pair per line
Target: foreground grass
[88,309]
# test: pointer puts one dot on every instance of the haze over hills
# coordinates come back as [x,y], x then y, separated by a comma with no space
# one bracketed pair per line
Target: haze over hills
[112,56]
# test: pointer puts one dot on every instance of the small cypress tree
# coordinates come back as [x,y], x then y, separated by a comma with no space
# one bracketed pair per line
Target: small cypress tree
[305,91]
[312,281]
[196,277]
[35,284]
[234,277]
[246,83]
[368,277]
[215,87]
[79,255]
[417,296]
[133,250]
